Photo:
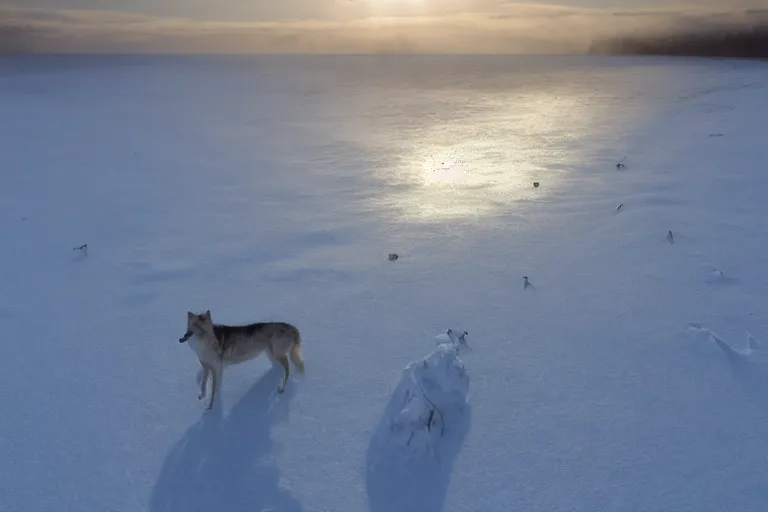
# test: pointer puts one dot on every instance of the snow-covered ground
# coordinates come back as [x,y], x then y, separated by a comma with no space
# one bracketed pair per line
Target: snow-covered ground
[273,188]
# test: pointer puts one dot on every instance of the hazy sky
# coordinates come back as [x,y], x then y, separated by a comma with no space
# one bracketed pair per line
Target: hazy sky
[265,10]
[486,26]
[269,10]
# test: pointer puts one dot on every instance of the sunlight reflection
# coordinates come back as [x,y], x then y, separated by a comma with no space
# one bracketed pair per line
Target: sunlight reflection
[447,169]
[445,142]
[488,156]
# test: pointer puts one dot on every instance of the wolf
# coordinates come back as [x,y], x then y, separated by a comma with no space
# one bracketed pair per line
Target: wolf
[218,346]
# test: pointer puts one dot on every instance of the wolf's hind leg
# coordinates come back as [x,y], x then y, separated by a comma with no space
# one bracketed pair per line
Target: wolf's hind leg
[283,360]
[296,357]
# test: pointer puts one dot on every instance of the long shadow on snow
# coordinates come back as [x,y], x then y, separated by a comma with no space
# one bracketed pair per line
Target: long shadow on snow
[221,463]
[417,483]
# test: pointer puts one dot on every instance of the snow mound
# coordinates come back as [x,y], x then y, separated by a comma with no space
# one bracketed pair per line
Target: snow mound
[430,392]
[411,453]
[755,351]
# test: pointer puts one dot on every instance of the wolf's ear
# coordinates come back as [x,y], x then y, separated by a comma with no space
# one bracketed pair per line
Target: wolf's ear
[208,314]
[190,315]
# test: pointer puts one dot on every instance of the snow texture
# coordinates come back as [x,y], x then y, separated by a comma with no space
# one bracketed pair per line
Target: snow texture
[412,451]
[274,187]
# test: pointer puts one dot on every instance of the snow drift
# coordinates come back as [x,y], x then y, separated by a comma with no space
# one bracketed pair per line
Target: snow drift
[411,453]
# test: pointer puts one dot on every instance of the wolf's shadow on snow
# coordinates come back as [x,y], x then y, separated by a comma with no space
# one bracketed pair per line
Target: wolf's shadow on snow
[222,463]
[418,483]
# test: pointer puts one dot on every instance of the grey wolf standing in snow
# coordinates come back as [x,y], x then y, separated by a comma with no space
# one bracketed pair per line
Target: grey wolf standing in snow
[218,346]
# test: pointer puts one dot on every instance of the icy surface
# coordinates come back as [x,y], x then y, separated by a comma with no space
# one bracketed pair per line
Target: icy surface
[273,188]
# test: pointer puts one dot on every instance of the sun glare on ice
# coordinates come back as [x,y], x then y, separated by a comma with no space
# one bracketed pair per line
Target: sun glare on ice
[446,169]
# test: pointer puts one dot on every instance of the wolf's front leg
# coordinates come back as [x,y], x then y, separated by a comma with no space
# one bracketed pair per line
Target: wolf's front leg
[216,373]
[202,381]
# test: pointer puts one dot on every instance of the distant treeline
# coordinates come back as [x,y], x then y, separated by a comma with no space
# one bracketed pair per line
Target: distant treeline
[11,39]
[742,42]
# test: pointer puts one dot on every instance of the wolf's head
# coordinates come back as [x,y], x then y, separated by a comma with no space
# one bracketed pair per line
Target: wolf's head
[197,325]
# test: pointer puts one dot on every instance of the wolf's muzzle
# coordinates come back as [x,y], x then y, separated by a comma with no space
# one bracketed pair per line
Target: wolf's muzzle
[186,336]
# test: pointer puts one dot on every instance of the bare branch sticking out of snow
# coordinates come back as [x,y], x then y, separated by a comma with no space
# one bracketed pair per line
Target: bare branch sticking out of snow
[431,395]
[81,252]
[453,338]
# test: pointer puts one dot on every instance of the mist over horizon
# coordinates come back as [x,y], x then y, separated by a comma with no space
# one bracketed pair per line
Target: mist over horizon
[750,42]
[518,29]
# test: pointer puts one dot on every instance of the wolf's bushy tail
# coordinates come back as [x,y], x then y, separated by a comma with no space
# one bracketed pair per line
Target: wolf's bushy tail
[296,356]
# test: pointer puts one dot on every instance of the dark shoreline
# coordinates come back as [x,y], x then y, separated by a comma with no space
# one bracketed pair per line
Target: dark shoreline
[741,43]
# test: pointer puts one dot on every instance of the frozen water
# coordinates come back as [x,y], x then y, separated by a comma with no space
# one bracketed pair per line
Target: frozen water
[273,187]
